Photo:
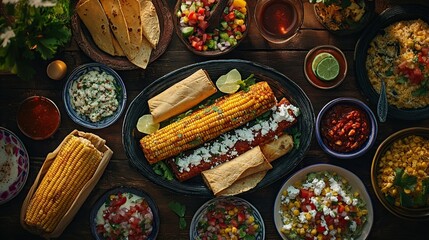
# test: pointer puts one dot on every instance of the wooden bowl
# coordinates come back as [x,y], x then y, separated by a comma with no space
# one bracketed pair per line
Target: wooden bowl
[211,53]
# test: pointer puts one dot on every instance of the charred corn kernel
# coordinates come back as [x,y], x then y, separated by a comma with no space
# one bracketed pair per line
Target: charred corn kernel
[233,230]
[308,216]
[234,238]
[364,212]
[208,123]
[313,232]
[331,227]
[359,214]
[301,231]
[71,169]
[227,230]
[319,236]
[231,212]
[338,230]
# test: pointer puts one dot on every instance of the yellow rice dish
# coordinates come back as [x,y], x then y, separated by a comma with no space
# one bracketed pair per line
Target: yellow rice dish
[400,56]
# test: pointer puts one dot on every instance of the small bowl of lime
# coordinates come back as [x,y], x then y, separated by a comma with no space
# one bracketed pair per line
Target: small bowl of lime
[325,66]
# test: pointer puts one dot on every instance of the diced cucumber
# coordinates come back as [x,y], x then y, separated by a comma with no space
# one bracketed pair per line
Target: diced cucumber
[187,31]
[224,36]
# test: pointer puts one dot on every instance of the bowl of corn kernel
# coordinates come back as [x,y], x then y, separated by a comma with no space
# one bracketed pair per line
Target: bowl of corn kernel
[400,173]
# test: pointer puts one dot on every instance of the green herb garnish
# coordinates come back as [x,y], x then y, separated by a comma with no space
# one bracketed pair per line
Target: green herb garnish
[179,210]
[161,169]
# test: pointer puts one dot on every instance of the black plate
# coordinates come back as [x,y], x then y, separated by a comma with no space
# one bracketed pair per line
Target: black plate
[123,189]
[386,18]
[281,85]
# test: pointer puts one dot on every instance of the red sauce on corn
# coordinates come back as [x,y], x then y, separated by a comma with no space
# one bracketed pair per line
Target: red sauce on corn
[345,128]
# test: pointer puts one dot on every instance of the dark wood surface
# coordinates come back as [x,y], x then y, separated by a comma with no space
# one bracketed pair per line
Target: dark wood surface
[287,58]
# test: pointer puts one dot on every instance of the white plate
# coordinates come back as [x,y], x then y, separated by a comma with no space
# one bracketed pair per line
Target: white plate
[353,180]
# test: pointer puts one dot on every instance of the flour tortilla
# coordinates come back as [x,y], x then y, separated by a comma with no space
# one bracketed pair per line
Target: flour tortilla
[226,174]
[181,96]
[131,12]
[277,147]
[243,185]
[150,22]
[137,53]
[93,16]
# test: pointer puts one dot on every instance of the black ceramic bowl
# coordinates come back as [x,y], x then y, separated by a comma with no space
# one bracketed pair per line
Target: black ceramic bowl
[281,85]
[106,197]
[408,213]
[386,18]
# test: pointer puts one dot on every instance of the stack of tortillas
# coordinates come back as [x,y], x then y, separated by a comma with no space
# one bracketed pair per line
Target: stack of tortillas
[127,28]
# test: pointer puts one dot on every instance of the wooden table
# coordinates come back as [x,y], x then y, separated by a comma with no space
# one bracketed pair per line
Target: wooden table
[287,58]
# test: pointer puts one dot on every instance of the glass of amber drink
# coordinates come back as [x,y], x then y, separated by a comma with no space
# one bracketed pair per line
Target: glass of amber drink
[278,21]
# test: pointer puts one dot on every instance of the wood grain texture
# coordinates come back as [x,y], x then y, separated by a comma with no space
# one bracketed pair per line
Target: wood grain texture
[286,58]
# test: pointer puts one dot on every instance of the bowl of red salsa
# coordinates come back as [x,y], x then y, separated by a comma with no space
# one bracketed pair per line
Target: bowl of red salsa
[227,218]
[346,128]
[191,19]
[38,117]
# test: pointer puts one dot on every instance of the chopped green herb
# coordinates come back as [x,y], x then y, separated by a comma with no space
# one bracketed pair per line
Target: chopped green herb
[161,169]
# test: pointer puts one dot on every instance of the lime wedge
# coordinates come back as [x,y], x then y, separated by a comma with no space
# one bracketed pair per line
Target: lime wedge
[233,76]
[230,82]
[319,57]
[328,69]
[145,124]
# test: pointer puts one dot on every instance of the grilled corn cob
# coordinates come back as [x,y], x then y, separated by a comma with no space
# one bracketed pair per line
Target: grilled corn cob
[208,123]
[71,169]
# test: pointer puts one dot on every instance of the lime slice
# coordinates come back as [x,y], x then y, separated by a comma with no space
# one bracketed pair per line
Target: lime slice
[145,124]
[230,82]
[233,76]
[328,69]
[319,57]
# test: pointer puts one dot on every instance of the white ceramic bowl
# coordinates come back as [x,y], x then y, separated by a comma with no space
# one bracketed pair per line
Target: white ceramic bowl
[354,181]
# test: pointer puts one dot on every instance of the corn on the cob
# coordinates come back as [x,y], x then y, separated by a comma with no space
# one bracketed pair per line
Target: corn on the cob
[208,123]
[71,169]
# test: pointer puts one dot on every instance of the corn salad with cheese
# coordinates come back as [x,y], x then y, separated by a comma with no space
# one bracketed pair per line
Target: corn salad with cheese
[322,207]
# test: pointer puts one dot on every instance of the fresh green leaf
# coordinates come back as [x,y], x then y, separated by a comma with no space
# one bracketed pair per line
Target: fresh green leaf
[177,208]
[398,176]
[161,169]
[182,223]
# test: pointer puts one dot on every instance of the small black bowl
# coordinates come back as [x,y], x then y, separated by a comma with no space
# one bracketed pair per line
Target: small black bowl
[122,189]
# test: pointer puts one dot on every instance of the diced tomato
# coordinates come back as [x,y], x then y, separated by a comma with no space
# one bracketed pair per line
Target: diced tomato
[212,221]
[241,217]
[341,208]
[306,194]
[425,51]
[203,25]
[320,229]
[192,16]
[229,17]
[201,11]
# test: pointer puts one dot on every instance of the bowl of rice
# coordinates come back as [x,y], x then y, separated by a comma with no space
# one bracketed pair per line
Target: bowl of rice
[396,49]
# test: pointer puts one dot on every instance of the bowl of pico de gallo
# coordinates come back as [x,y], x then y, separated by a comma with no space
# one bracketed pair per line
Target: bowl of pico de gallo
[227,218]
[191,19]
[323,201]
[125,213]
